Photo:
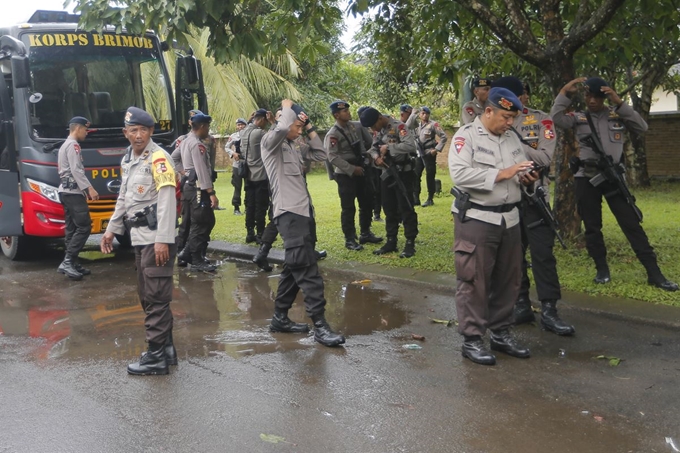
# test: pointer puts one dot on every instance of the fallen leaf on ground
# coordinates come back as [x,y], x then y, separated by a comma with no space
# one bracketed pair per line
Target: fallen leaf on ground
[272,439]
[613,361]
[362,282]
[383,321]
[417,337]
[446,322]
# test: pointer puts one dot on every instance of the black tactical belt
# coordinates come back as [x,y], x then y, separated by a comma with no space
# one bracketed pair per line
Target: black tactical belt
[499,209]
[135,222]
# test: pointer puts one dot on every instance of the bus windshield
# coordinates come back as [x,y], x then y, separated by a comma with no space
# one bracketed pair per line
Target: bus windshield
[97,76]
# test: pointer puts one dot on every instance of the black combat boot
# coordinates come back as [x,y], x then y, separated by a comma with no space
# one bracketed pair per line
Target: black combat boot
[389,246]
[351,244]
[523,312]
[475,350]
[282,323]
[202,266]
[204,254]
[251,236]
[153,362]
[170,351]
[602,275]
[551,321]
[428,202]
[261,257]
[409,249]
[320,254]
[323,333]
[656,278]
[368,236]
[67,268]
[503,341]
[237,211]
[184,257]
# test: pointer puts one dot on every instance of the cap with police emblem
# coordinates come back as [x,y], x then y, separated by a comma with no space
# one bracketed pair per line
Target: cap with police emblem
[369,117]
[201,118]
[504,99]
[80,120]
[300,113]
[480,82]
[241,121]
[339,105]
[594,85]
[260,112]
[511,83]
[138,117]
[403,108]
[425,109]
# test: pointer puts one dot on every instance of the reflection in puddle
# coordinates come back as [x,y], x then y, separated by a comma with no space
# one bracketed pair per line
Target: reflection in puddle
[227,313]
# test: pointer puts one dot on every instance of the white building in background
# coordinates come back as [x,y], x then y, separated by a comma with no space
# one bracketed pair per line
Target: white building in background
[664,101]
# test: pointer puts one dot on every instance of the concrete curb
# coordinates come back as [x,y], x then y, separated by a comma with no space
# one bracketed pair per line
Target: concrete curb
[614,308]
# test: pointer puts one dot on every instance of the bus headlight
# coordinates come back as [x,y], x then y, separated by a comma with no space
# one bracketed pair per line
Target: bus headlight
[47,191]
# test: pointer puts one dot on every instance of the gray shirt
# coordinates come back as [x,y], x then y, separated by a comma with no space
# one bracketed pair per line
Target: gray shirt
[538,134]
[340,151]
[196,157]
[147,179]
[611,124]
[251,138]
[399,140]
[427,133]
[284,167]
[471,110]
[70,165]
[475,158]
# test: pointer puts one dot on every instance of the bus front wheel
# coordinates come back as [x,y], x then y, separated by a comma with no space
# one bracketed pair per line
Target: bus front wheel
[15,247]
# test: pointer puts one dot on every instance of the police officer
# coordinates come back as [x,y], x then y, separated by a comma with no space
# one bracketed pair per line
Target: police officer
[475,107]
[256,184]
[347,143]
[427,133]
[73,193]
[233,148]
[292,215]
[409,116]
[393,145]
[537,134]
[487,162]
[199,190]
[611,124]
[374,175]
[146,202]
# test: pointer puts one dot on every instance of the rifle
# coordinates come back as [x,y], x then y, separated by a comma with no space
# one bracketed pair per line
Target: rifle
[611,172]
[421,150]
[538,199]
[391,176]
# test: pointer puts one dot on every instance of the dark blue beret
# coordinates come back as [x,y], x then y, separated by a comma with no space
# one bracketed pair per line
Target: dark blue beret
[369,117]
[479,82]
[194,112]
[300,113]
[505,99]
[361,110]
[138,117]
[260,112]
[199,118]
[511,83]
[425,109]
[594,84]
[339,105]
[403,108]
[242,121]
[80,120]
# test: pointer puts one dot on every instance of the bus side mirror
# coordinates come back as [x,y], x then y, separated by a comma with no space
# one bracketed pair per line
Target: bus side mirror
[191,68]
[21,74]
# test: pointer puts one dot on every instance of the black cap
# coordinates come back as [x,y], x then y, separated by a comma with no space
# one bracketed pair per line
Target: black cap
[594,84]
[260,112]
[300,113]
[361,110]
[511,83]
[242,121]
[425,109]
[80,120]
[201,118]
[369,117]
[403,108]
[339,105]
[505,99]
[479,82]
[138,117]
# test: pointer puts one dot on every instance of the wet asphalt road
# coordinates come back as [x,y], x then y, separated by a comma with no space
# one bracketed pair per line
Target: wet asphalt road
[65,345]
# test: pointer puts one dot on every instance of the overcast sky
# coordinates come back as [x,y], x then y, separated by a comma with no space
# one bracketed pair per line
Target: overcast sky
[23,9]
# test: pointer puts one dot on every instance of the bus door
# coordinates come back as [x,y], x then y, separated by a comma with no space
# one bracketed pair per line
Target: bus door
[189,90]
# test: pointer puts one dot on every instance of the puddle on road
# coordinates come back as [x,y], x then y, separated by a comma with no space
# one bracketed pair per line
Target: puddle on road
[227,313]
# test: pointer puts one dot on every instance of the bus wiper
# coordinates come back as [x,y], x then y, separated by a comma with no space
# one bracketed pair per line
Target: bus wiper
[49,147]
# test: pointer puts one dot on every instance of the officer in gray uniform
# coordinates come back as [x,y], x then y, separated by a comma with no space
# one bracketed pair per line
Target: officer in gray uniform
[537,134]
[427,133]
[347,143]
[292,213]
[147,205]
[199,191]
[475,107]
[611,124]
[409,116]
[233,148]
[73,193]
[394,145]
[487,163]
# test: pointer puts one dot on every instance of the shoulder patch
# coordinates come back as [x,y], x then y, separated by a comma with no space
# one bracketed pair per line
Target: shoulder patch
[201,148]
[459,142]
[163,171]
[402,126]
[470,110]
[76,147]
[402,132]
[436,124]
[333,141]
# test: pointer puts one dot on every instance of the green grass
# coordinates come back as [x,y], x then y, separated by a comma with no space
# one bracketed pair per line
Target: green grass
[576,270]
